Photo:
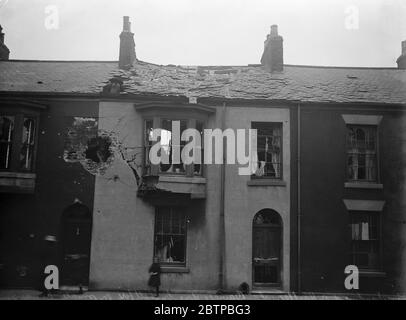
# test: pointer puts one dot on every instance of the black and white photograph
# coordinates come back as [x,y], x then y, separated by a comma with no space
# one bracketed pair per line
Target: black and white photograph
[225,151]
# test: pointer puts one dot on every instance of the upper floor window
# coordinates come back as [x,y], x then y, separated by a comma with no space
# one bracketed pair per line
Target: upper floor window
[171,147]
[17,142]
[162,115]
[269,150]
[6,139]
[362,153]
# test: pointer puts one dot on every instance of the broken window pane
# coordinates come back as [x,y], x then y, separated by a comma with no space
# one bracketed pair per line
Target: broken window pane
[170,235]
[269,150]
[148,143]
[27,147]
[168,147]
[171,150]
[198,168]
[6,136]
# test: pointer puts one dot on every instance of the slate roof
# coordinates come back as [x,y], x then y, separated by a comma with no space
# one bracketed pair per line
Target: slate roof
[54,76]
[295,83]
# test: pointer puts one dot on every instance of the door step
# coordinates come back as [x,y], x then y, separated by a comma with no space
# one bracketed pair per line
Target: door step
[73,289]
[262,291]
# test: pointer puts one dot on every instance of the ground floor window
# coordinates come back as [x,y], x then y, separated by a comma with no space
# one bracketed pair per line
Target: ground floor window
[170,235]
[366,240]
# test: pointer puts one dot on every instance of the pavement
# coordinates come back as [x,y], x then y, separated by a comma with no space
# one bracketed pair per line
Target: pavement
[106,295]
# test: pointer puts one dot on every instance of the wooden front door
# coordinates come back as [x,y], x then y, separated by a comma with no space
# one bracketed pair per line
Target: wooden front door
[267,243]
[77,234]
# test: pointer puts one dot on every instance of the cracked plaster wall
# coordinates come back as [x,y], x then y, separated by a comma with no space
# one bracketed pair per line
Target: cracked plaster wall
[123,225]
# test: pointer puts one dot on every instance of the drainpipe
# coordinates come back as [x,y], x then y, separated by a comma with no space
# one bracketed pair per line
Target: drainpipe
[222,209]
[299,208]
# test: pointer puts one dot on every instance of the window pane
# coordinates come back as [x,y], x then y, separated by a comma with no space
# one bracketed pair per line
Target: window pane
[149,128]
[6,136]
[167,145]
[148,143]
[170,237]
[198,168]
[269,149]
[27,147]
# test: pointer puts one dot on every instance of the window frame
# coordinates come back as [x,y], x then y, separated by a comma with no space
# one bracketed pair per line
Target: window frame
[182,212]
[9,143]
[377,154]
[364,119]
[157,121]
[379,265]
[146,147]
[16,145]
[281,175]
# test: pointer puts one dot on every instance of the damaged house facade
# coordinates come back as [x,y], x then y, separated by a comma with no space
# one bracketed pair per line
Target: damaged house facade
[329,190]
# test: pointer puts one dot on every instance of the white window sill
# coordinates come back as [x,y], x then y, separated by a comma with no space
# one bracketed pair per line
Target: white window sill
[195,186]
[363,185]
[17,182]
[372,274]
[19,175]
[174,269]
[266,182]
[181,179]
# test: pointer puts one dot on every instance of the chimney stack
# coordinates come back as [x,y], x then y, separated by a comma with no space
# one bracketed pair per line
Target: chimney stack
[402,59]
[127,46]
[272,58]
[4,51]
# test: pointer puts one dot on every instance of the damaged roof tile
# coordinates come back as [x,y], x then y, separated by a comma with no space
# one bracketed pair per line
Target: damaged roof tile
[295,83]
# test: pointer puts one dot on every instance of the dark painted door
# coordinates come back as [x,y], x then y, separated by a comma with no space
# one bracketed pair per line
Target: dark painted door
[267,253]
[77,234]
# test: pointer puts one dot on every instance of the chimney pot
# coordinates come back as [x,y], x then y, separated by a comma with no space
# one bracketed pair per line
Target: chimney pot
[4,51]
[127,46]
[272,58]
[274,30]
[126,24]
[402,59]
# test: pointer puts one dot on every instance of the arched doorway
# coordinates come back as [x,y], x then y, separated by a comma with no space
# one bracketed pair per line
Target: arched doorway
[76,242]
[267,244]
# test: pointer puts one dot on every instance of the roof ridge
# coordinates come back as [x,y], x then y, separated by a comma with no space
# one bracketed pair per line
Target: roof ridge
[61,61]
[203,66]
[259,65]
[340,67]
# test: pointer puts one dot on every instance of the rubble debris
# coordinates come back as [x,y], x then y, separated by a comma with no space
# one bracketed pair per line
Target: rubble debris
[96,149]
[321,84]
[114,86]
[84,144]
